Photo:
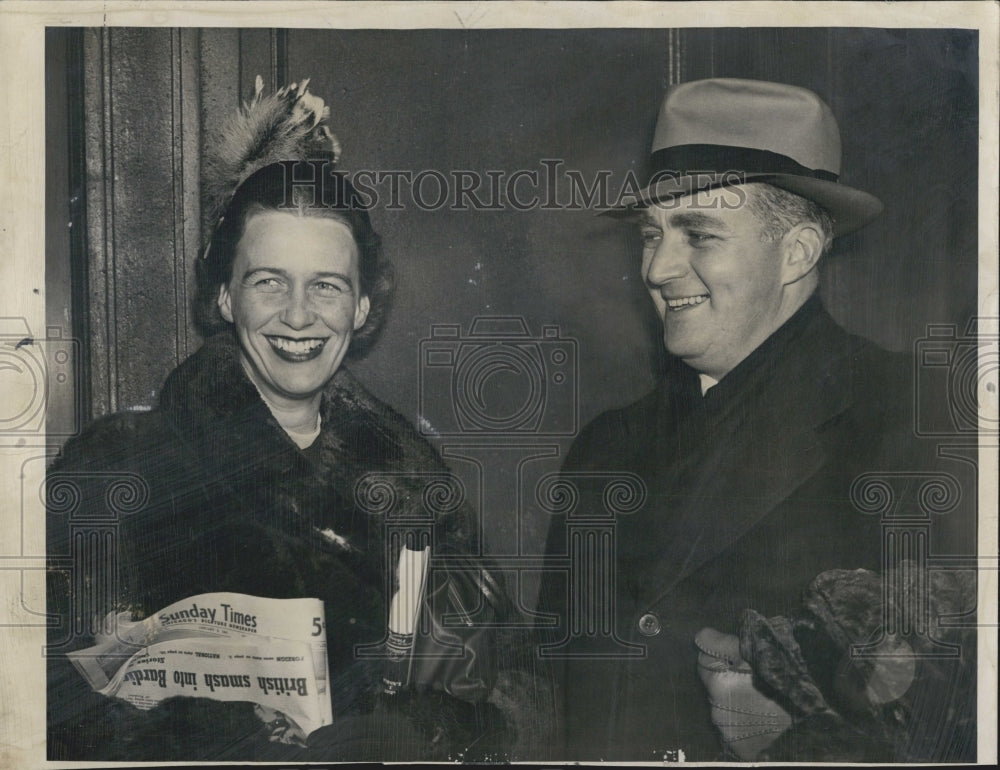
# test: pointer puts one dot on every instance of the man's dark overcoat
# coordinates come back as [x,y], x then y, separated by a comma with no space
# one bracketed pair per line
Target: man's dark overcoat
[748,498]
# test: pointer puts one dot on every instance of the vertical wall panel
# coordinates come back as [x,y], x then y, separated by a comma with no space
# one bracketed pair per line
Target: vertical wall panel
[219,88]
[61,70]
[262,52]
[187,170]
[100,222]
[142,187]
[143,197]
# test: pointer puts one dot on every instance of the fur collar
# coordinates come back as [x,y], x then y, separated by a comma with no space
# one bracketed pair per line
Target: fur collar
[367,452]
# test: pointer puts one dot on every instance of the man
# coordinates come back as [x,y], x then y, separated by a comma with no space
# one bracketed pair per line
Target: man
[746,454]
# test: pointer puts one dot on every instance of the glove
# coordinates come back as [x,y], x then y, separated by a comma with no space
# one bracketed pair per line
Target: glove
[747,720]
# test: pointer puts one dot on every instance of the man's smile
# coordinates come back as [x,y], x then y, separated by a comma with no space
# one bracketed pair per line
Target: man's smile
[682,303]
[296,350]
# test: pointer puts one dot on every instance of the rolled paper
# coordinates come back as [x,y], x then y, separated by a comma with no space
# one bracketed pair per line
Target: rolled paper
[404,612]
[410,575]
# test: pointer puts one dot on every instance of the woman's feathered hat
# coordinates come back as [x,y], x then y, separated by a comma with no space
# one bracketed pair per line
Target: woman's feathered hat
[289,124]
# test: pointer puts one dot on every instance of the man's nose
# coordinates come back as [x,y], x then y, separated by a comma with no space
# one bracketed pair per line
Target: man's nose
[668,261]
[298,312]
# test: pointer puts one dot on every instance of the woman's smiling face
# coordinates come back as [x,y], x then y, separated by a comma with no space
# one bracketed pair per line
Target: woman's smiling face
[295,300]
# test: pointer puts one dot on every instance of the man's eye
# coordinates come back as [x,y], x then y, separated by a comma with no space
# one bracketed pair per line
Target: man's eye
[650,237]
[698,238]
[330,288]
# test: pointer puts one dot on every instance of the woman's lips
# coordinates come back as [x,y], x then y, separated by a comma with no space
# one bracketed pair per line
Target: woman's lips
[296,350]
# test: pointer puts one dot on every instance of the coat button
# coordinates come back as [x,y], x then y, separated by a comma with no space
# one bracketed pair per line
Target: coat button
[649,624]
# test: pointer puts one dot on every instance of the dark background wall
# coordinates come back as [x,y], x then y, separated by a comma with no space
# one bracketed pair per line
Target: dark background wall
[140,106]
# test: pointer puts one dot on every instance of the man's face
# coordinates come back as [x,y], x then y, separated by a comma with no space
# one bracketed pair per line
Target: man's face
[295,301]
[716,282]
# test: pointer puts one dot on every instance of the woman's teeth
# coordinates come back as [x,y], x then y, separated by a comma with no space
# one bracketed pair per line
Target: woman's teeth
[296,347]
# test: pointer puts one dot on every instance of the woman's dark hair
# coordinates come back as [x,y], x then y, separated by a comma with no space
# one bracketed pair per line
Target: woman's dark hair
[277,188]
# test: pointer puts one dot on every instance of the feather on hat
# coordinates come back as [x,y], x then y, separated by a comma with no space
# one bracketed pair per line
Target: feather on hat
[289,124]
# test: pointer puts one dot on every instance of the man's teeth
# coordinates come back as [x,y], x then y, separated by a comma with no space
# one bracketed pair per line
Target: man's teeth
[295,346]
[677,304]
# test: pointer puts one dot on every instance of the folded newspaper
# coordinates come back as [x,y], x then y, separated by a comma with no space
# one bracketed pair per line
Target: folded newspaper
[236,647]
[223,646]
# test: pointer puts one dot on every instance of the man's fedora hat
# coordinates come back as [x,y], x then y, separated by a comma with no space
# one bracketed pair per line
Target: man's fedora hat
[727,131]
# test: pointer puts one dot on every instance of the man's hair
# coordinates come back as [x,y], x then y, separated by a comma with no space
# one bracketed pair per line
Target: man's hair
[779,211]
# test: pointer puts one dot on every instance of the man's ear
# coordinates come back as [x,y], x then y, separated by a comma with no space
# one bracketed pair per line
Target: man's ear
[225,303]
[802,247]
[361,312]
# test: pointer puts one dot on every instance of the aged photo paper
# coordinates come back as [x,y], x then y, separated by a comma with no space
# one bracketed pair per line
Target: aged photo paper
[499,150]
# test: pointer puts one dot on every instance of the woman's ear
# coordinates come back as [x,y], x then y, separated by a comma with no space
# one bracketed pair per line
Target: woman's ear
[802,247]
[225,303]
[361,312]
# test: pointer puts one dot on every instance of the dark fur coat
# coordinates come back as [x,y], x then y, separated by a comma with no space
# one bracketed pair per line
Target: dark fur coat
[207,493]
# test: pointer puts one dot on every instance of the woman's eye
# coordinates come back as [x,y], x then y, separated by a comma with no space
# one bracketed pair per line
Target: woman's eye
[329,288]
[268,284]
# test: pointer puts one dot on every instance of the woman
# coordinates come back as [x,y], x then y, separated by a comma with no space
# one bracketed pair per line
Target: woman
[265,470]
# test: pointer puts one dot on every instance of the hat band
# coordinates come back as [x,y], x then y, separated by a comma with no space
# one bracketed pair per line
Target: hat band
[685,159]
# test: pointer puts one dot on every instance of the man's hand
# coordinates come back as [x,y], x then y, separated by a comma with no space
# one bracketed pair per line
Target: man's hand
[748,721]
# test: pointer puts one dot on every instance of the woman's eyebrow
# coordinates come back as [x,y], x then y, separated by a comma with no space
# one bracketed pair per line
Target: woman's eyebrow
[250,274]
[271,270]
[334,274]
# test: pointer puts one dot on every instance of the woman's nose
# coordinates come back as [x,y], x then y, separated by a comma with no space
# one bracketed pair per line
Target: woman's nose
[298,312]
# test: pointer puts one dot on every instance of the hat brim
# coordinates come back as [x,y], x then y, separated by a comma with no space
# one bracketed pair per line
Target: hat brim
[851,209]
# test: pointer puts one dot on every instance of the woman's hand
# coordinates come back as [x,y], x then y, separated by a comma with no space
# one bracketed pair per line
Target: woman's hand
[281,729]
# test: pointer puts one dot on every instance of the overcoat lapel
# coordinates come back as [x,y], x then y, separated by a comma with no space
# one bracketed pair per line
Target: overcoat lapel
[757,455]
